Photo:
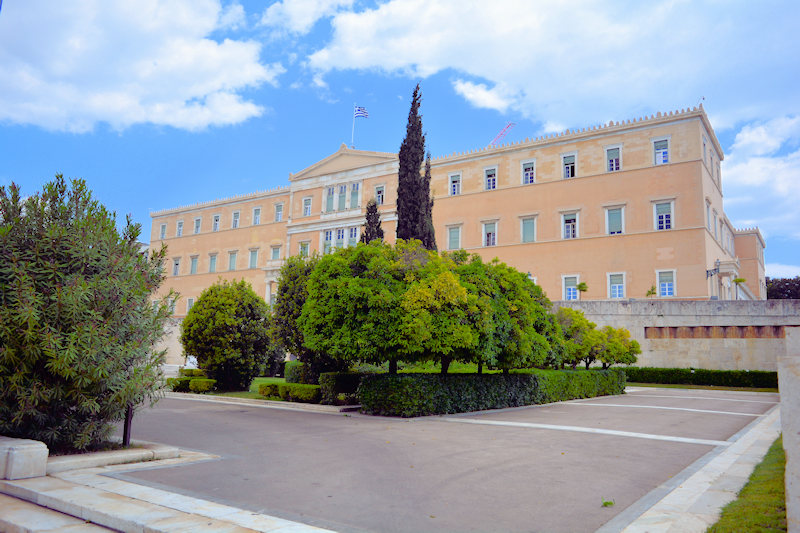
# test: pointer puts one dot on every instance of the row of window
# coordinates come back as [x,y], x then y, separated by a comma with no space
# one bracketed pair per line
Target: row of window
[216,221]
[275,254]
[568,166]
[615,285]
[570,227]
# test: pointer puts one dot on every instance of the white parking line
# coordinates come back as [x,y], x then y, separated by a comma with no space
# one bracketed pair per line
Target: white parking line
[665,408]
[704,398]
[589,430]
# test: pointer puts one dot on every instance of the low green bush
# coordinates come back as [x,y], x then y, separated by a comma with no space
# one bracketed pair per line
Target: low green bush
[268,389]
[192,372]
[428,394]
[332,384]
[179,384]
[299,392]
[202,384]
[294,372]
[698,376]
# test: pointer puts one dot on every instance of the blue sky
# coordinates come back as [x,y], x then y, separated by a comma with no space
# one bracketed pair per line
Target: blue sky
[159,104]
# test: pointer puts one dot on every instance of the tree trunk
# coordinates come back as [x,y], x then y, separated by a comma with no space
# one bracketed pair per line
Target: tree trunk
[587,365]
[480,366]
[505,371]
[445,364]
[393,366]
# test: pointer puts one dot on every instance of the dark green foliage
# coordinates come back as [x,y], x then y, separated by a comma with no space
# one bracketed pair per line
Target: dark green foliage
[286,331]
[202,384]
[77,324]
[228,331]
[372,225]
[759,379]
[192,372]
[427,394]
[332,384]
[299,392]
[414,202]
[783,288]
[295,372]
[269,389]
[179,384]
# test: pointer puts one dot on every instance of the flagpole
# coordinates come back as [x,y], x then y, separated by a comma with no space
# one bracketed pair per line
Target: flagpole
[353,132]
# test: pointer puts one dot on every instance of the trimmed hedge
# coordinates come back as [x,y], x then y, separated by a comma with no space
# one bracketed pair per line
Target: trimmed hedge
[179,384]
[192,372]
[332,384]
[409,395]
[697,376]
[202,384]
[295,372]
[299,392]
[268,389]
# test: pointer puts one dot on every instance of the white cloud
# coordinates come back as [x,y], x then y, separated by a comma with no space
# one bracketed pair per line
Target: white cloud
[232,17]
[71,65]
[479,95]
[299,16]
[777,270]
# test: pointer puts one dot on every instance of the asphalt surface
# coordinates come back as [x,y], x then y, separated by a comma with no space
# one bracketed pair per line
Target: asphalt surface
[540,468]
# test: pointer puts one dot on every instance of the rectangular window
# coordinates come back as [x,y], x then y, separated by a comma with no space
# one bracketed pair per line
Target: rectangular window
[614,220]
[379,195]
[329,200]
[328,242]
[303,249]
[189,304]
[340,238]
[569,166]
[306,207]
[570,225]
[232,261]
[163,233]
[612,159]
[490,234]
[661,152]
[197,223]
[342,197]
[256,216]
[528,229]
[215,225]
[235,220]
[570,287]
[275,253]
[212,263]
[716,234]
[352,238]
[176,267]
[193,265]
[454,238]
[616,285]
[491,179]
[666,283]
[455,184]
[354,195]
[704,153]
[278,212]
[253,259]
[708,216]
[179,229]
[528,172]
[663,215]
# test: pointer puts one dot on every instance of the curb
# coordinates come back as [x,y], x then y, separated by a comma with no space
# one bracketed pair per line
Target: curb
[144,451]
[289,406]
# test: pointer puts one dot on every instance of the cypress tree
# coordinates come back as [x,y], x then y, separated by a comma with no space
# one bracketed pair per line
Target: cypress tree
[414,204]
[372,226]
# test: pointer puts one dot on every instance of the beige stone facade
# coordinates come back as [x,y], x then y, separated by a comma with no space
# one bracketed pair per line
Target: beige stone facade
[624,208]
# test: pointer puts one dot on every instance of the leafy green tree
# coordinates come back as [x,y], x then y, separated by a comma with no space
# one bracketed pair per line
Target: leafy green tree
[227,330]
[372,225]
[619,347]
[77,325]
[291,296]
[580,337]
[783,288]
[414,202]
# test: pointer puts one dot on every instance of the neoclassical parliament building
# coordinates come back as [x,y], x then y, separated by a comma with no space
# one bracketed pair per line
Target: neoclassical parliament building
[633,209]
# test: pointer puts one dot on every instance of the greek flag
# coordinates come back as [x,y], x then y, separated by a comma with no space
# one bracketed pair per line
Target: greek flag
[358,112]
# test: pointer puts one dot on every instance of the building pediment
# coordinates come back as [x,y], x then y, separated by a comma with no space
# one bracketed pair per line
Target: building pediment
[342,160]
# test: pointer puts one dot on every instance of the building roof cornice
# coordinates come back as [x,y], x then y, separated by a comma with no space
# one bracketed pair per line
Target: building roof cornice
[222,201]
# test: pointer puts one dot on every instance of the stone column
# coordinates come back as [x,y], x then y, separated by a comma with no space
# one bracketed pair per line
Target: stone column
[789,383]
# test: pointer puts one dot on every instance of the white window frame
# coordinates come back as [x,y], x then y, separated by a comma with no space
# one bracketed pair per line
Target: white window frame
[353,234]
[653,141]
[275,253]
[253,255]
[619,162]
[341,197]
[179,228]
[279,212]
[671,214]
[189,304]
[212,263]
[483,233]
[256,216]
[490,180]
[235,218]
[674,283]
[522,220]
[327,243]
[708,215]
[564,287]
[624,285]
[527,179]
[622,219]
[454,183]
[304,248]
[233,258]
[380,194]
[705,161]
[716,223]
[330,199]
[162,232]
[577,225]
[215,220]
[198,224]
[449,229]
[355,188]
[307,203]
[194,262]
[176,266]
[574,154]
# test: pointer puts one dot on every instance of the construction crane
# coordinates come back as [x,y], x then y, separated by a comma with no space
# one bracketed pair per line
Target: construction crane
[503,133]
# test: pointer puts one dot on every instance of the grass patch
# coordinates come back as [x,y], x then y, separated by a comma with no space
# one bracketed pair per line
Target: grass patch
[702,387]
[761,505]
[252,394]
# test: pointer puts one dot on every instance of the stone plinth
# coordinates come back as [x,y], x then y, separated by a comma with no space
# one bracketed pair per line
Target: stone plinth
[789,382]
[22,458]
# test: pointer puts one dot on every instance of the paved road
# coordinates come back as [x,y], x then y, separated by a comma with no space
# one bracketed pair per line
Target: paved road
[542,468]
